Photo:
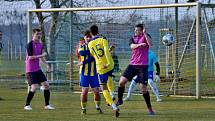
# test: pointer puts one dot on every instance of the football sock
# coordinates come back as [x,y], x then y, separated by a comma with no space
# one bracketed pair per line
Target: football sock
[83,105]
[147,99]
[154,88]
[47,97]
[107,97]
[110,85]
[131,87]
[120,93]
[29,98]
[97,103]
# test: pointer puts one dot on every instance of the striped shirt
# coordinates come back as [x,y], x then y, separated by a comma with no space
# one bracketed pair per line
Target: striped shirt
[88,68]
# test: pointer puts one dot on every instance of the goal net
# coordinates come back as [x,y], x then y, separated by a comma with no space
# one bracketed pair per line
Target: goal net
[187,66]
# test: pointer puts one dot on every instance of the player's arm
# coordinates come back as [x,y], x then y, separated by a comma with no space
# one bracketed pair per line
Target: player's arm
[83,52]
[157,65]
[43,60]
[112,47]
[29,48]
[133,45]
[148,39]
[107,53]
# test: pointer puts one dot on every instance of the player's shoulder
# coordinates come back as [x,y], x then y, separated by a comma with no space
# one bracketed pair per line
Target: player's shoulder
[91,43]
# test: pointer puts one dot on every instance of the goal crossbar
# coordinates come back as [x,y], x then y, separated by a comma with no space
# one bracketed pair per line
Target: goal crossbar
[114,8]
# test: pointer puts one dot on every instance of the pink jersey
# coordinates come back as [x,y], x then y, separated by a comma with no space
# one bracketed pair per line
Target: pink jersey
[33,48]
[139,56]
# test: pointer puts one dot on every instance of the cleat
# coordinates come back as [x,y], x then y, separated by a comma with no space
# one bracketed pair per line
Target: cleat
[126,99]
[49,107]
[99,110]
[159,100]
[119,102]
[83,111]
[151,112]
[28,107]
[117,112]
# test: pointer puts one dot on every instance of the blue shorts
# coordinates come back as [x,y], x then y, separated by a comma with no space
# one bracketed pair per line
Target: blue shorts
[35,77]
[86,81]
[103,78]
[150,76]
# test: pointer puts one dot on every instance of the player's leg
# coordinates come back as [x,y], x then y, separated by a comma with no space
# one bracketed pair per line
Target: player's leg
[97,99]
[46,92]
[128,74]
[32,81]
[143,76]
[153,86]
[84,83]
[111,87]
[94,83]
[130,89]
[103,78]
[84,95]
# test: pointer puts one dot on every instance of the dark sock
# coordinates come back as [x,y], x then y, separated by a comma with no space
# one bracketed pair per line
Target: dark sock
[29,98]
[147,100]
[120,93]
[46,96]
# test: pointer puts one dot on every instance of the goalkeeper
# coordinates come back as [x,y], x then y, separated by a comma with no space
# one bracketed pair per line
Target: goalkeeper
[152,60]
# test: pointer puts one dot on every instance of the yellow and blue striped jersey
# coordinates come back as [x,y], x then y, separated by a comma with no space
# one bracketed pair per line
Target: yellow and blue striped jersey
[100,51]
[88,68]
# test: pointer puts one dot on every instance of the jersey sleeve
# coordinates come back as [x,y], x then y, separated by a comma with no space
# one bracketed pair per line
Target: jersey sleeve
[131,41]
[29,48]
[155,59]
[106,51]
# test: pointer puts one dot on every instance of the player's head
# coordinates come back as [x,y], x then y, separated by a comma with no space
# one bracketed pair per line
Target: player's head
[94,30]
[81,41]
[37,34]
[138,29]
[87,36]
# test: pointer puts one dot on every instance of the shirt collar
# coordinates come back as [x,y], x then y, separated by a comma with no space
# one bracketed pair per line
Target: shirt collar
[95,37]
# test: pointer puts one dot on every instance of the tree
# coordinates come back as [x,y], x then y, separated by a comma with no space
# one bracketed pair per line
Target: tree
[52,28]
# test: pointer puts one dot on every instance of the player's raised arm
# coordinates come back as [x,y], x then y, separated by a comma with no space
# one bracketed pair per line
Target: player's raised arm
[107,53]
[148,39]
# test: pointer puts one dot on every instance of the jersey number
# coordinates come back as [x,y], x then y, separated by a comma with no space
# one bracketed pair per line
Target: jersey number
[98,51]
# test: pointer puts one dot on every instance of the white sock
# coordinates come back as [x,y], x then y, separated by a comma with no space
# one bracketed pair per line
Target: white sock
[114,106]
[97,106]
[111,94]
[131,87]
[154,88]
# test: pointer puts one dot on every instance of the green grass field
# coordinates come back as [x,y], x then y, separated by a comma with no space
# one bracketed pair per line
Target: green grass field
[68,108]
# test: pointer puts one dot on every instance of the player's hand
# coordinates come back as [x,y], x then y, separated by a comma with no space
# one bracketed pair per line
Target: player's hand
[44,54]
[142,44]
[144,30]
[48,68]
[157,78]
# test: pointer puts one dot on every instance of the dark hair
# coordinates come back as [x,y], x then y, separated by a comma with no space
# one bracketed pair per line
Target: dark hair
[87,33]
[140,25]
[94,30]
[36,30]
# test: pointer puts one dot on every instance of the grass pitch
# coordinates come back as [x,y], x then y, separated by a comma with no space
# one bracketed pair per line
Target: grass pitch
[68,108]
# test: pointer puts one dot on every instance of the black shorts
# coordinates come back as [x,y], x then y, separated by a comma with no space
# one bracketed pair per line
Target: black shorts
[140,70]
[35,77]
